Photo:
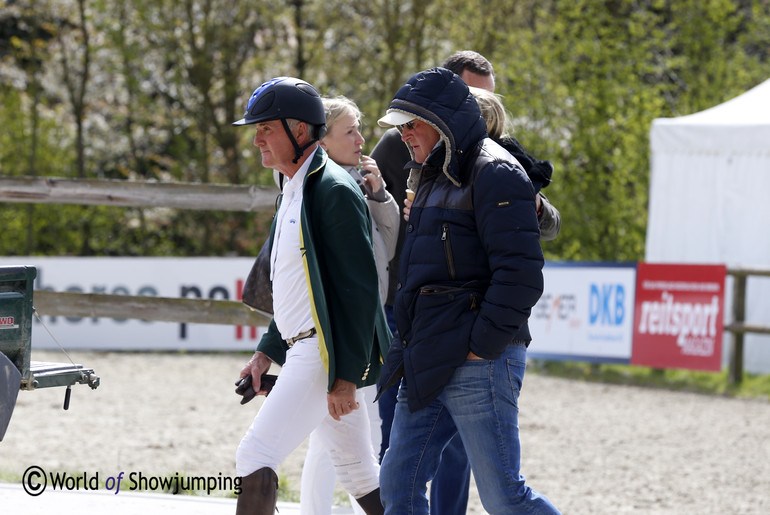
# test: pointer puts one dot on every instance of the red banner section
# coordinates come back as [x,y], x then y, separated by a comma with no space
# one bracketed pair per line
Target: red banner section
[678,316]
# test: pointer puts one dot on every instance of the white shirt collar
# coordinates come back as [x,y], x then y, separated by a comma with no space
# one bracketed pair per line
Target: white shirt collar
[295,183]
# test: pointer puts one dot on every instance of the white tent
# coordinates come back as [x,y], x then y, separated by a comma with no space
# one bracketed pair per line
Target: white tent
[710,197]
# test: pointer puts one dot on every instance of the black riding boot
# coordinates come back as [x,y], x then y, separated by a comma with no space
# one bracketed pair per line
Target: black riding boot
[259,493]
[371,503]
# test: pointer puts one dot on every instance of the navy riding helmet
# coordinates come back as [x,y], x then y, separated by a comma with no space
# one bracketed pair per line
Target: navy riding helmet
[287,97]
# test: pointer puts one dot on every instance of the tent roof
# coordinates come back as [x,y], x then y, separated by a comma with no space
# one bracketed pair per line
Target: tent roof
[752,107]
[741,124]
[710,174]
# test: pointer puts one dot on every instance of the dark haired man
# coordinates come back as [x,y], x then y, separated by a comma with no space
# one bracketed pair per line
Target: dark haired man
[473,68]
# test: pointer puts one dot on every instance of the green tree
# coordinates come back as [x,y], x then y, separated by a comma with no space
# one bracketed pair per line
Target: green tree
[27,142]
[585,79]
[147,90]
[73,37]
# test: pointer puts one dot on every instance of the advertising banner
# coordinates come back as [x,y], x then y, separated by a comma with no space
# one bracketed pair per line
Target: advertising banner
[585,313]
[204,278]
[665,316]
[679,316]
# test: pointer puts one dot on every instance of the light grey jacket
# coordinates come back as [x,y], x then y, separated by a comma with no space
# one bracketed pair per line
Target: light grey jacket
[385,225]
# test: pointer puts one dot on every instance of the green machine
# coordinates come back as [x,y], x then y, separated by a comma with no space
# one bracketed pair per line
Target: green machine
[17,372]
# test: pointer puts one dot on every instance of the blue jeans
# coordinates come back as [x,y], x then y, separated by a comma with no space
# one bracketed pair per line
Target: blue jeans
[480,404]
[451,484]
[387,402]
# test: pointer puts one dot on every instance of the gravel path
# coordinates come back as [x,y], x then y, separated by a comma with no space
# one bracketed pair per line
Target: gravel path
[591,448]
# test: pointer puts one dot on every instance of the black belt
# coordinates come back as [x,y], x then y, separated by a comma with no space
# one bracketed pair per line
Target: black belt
[301,336]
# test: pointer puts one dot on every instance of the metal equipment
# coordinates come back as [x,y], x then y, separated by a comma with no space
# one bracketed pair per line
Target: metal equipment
[17,372]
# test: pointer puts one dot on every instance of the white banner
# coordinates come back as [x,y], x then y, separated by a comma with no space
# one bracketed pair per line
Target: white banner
[206,278]
[586,312]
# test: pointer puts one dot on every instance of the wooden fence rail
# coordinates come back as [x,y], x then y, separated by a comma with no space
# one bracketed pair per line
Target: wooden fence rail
[154,309]
[221,197]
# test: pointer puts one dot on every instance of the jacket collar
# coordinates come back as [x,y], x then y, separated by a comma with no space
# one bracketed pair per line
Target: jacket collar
[317,163]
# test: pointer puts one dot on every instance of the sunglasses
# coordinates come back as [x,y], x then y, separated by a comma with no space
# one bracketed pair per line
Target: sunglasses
[408,125]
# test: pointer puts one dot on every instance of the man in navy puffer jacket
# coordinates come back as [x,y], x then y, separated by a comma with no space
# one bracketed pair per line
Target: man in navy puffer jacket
[470,272]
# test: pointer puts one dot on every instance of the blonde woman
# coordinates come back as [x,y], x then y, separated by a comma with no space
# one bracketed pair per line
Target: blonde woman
[344,144]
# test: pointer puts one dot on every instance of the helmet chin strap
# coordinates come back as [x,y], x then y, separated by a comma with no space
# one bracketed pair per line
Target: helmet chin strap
[298,151]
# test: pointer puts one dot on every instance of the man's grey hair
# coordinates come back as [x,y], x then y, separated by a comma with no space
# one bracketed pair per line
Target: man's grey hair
[292,123]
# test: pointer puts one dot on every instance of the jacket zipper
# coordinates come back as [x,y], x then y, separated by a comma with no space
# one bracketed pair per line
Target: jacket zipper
[448,250]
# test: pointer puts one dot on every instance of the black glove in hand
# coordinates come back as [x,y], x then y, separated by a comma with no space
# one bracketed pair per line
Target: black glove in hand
[245,389]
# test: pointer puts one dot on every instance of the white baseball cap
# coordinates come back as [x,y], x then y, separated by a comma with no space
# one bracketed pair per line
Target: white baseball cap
[395,117]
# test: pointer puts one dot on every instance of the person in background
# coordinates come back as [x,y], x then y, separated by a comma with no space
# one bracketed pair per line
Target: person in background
[470,272]
[343,143]
[328,331]
[450,488]
[539,172]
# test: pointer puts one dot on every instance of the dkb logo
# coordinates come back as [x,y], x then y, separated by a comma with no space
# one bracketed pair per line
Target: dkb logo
[607,304]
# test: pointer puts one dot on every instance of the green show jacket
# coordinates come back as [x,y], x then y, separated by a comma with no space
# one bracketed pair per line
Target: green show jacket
[336,246]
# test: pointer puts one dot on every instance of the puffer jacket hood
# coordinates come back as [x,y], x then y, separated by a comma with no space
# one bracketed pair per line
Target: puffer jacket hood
[441,99]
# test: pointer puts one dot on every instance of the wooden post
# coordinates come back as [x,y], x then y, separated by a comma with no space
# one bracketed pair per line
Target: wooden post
[735,365]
